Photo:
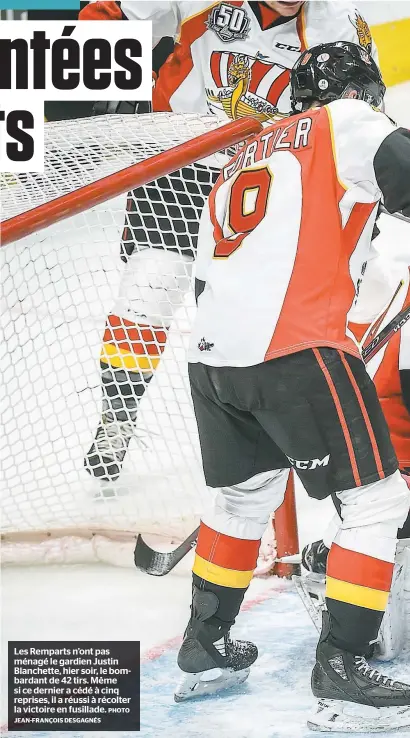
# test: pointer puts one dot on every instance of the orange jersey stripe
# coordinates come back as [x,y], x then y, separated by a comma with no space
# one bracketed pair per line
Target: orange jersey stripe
[365,414]
[218,233]
[342,418]
[226,551]
[389,390]
[137,339]
[301,29]
[356,568]
[358,329]
[311,291]
[280,85]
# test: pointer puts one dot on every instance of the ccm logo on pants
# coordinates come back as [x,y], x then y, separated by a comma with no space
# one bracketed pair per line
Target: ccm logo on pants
[309,463]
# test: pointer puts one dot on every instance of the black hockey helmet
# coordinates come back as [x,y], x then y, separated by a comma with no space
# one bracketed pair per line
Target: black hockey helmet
[330,71]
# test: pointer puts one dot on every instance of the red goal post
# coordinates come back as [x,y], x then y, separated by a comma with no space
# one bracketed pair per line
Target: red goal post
[30,220]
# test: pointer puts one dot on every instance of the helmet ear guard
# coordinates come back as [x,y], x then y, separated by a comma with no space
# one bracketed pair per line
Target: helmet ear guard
[332,71]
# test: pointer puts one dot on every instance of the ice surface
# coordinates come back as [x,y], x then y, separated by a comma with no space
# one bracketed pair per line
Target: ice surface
[101,604]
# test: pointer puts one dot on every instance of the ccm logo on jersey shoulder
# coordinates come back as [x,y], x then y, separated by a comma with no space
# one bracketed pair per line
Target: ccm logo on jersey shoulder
[309,464]
[286,47]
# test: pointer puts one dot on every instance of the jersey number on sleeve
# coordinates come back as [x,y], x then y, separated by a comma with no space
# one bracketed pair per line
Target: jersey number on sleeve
[247,208]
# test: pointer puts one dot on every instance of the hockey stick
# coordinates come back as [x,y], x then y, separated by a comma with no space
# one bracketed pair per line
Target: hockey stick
[374,327]
[399,216]
[158,564]
[386,334]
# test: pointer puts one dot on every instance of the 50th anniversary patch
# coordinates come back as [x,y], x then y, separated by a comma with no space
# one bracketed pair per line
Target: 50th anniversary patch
[88,60]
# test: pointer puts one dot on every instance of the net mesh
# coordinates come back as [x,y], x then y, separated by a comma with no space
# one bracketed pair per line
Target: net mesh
[58,286]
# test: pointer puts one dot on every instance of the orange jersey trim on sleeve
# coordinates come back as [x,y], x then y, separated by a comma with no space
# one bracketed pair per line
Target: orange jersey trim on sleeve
[101,11]
[180,63]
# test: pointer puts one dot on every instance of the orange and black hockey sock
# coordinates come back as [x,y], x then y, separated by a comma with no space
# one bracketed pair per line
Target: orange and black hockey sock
[130,353]
[224,565]
[357,590]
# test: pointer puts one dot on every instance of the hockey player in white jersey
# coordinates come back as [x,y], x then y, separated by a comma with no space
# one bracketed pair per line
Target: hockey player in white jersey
[277,380]
[230,59]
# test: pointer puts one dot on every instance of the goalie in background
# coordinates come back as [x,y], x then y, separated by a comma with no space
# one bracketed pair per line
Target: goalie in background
[282,383]
[377,304]
[230,60]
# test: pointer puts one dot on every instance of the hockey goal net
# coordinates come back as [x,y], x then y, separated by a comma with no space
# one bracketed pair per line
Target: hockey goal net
[61,276]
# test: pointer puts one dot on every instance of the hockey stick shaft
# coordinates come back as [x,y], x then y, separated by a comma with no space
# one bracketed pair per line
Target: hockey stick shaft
[159,564]
[386,334]
[399,216]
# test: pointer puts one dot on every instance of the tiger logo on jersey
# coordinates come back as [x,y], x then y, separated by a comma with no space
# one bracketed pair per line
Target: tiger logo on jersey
[363,32]
[247,85]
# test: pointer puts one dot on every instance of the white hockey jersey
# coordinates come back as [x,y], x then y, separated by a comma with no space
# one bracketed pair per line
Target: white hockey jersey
[284,236]
[233,58]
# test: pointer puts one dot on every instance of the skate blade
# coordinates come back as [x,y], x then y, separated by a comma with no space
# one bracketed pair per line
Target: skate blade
[350,717]
[311,590]
[203,683]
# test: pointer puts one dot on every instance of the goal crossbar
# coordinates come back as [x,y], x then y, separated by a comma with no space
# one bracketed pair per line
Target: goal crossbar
[126,179]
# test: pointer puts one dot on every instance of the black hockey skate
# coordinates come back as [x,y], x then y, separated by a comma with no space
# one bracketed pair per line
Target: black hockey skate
[314,557]
[353,696]
[311,587]
[211,659]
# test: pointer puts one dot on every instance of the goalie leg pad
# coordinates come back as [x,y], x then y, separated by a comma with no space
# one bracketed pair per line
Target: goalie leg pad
[393,631]
[311,590]
[153,286]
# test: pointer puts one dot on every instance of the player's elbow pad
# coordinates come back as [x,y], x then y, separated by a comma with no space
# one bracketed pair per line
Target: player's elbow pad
[102,11]
[392,169]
